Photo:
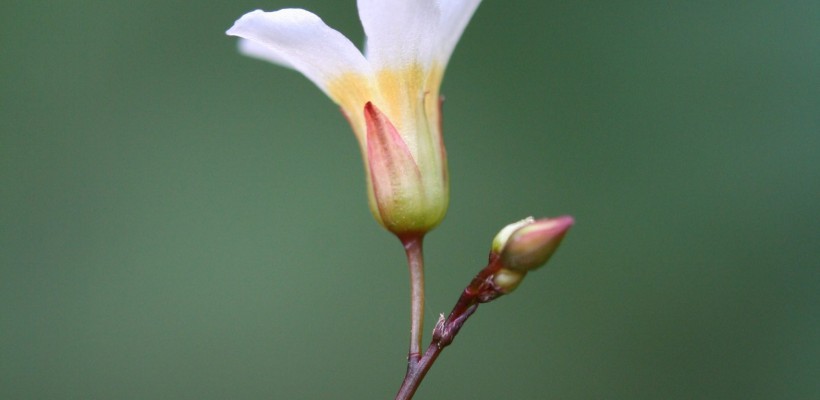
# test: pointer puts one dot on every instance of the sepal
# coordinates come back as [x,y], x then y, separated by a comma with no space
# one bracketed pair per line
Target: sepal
[400,202]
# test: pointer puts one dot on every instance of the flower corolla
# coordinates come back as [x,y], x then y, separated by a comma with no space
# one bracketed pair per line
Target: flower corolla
[389,93]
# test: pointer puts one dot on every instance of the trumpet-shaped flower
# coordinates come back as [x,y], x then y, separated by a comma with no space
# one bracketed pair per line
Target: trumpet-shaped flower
[389,93]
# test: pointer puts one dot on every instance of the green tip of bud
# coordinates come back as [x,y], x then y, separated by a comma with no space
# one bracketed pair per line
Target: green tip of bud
[528,244]
[508,279]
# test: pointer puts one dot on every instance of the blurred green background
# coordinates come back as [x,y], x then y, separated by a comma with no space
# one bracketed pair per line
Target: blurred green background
[181,222]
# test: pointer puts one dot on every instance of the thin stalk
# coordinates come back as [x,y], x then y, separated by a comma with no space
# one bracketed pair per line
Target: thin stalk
[415,263]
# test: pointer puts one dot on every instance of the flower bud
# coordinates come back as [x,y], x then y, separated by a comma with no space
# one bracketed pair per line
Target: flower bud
[528,244]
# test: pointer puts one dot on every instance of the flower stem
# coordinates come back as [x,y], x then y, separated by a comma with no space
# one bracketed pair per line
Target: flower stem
[415,263]
[480,290]
[416,372]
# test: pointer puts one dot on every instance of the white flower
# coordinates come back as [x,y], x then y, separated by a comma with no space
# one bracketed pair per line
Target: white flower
[390,94]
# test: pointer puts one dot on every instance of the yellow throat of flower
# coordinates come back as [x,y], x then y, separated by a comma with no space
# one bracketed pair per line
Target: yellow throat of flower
[405,95]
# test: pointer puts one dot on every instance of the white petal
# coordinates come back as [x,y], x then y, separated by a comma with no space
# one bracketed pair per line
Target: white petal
[304,42]
[455,14]
[258,50]
[400,32]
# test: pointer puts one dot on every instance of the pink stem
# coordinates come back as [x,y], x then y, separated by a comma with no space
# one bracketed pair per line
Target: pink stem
[415,263]
[480,290]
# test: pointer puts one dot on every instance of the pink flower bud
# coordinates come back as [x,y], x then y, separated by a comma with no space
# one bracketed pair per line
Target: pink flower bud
[532,242]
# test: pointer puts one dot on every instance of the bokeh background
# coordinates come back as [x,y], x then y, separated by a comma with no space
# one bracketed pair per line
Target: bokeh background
[181,222]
